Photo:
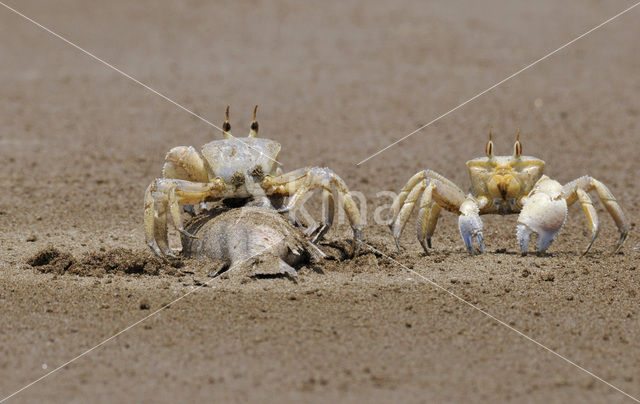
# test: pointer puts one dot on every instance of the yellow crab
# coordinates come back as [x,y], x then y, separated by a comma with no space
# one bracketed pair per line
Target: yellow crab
[502,185]
[238,168]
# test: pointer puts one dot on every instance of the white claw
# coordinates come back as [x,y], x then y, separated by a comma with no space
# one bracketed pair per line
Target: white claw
[524,234]
[470,226]
[544,213]
[480,241]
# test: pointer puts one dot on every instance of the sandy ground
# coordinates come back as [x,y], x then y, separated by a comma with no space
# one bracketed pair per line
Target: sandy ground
[335,82]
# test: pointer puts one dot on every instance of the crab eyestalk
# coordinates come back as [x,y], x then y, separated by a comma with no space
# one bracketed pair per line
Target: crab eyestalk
[517,147]
[489,147]
[254,124]
[226,126]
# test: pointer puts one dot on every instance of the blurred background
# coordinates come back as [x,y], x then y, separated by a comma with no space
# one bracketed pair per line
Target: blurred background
[335,83]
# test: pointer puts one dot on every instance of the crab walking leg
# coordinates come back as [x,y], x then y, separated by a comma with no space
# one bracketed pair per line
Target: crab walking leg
[317,232]
[155,221]
[444,193]
[149,216]
[408,203]
[293,185]
[164,196]
[399,202]
[544,211]
[351,209]
[427,218]
[587,183]
[174,211]
[447,196]
[298,182]
[415,180]
[160,231]
[590,213]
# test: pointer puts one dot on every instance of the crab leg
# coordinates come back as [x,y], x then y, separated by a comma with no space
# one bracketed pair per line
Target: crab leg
[318,230]
[590,213]
[427,220]
[434,189]
[294,184]
[155,222]
[413,181]
[298,182]
[174,211]
[400,220]
[164,196]
[399,202]
[571,194]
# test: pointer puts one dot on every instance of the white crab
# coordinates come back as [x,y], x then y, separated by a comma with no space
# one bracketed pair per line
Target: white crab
[237,168]
[502,185]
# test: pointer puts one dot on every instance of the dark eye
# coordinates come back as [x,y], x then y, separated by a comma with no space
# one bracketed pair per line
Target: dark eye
[226,126]
[517,149]
[489,149]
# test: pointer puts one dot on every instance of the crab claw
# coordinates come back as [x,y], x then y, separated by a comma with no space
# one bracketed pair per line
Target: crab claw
[470,226]
[544,213]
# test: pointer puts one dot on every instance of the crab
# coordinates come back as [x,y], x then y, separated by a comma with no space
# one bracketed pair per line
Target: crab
[244,169]
[502,185]
[243,237]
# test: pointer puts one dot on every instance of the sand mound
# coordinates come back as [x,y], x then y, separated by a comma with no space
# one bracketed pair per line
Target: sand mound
[118,260]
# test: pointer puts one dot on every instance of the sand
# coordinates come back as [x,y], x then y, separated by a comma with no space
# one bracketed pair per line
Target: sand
[335,82]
